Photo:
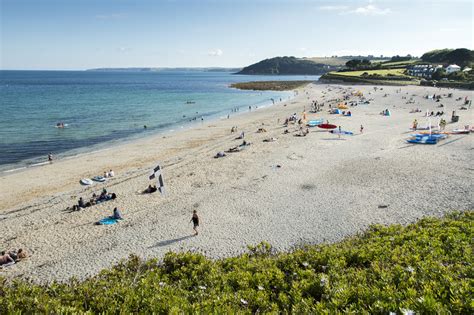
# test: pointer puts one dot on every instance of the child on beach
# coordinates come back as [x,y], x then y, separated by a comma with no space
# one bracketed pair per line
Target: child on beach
[195,220]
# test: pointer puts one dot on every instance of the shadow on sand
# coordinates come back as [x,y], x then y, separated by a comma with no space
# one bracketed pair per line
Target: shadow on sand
[169,242]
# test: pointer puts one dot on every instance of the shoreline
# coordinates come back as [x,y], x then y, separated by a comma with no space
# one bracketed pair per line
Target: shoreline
[326,188]
[110,144]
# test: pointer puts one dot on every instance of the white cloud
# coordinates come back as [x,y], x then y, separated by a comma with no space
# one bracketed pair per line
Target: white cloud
[217,52]
[333,7]
[370,9]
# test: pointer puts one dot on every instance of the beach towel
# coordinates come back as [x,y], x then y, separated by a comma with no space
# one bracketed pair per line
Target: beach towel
[7,264]
[107,221]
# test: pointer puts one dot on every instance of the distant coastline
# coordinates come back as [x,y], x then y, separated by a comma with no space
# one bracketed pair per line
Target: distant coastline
[151,69]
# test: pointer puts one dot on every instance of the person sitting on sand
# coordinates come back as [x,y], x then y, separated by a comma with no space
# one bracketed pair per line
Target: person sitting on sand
[260,130]
[117,215]
[6,259]
[242,135]
[148,190]
[103,196]
[81,203]
[111,173]
[151,189]
[106,174]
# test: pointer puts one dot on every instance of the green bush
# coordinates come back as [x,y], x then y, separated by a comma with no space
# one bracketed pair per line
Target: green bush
[426,267]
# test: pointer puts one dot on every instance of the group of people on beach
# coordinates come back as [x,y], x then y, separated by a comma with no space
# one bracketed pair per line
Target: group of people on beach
[104,196]
[12,256]
[109,174]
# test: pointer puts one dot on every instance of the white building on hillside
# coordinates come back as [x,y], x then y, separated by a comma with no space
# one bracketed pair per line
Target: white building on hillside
[452,68]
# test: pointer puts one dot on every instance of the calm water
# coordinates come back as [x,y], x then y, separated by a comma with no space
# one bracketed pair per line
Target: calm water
[101,108]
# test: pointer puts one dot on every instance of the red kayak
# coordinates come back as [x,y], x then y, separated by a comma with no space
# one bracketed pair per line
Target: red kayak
[327,126]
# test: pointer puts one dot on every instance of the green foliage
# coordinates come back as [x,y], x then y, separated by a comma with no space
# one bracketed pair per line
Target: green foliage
[458,76]
[439,74]
[359,64]
[461,56]
[426,267]
[286,65]
[398,58]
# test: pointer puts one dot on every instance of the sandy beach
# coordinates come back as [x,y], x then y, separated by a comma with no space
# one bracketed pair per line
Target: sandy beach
[325,189]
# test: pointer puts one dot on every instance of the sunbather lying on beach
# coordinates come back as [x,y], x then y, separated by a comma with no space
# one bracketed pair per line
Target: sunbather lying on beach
[17,255]
[6,259]
[260,130]
[234,149]
[272,139]
[104,196]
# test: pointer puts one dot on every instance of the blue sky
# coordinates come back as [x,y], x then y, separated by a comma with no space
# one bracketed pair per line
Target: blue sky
[81,34]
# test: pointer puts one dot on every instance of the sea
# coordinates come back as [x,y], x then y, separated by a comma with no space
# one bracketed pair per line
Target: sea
[104,108]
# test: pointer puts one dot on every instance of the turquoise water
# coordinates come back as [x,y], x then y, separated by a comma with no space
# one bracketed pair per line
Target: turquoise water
[100,108]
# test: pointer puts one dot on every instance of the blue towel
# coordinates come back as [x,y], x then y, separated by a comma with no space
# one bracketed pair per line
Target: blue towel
[108,221]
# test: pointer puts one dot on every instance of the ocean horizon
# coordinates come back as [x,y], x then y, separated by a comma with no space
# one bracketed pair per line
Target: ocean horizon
[103,108]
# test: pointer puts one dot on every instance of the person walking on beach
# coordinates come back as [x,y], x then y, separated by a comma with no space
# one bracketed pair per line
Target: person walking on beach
[195,220]
[50,157]
[361,129]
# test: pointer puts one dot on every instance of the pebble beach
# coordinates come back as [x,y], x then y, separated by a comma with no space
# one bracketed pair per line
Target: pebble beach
[288,192]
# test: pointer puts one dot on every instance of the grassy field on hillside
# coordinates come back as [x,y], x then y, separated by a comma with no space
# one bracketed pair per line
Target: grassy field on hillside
[330,61]
[426,267]
[400,63]
[381,72]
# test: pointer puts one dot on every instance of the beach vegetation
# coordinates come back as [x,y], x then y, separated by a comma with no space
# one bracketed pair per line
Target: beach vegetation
[425,267]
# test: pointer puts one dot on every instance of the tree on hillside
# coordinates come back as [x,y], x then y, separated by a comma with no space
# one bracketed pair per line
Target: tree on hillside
[398,58]
[438,55]
[462,57]
[439,74]
[357,64]
[457,76]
